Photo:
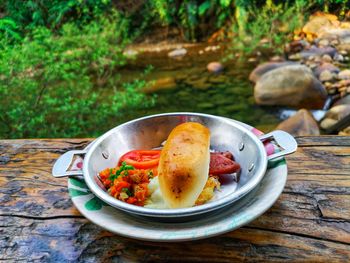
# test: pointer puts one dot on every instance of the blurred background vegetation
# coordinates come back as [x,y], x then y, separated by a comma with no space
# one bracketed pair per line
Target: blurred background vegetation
[58,57]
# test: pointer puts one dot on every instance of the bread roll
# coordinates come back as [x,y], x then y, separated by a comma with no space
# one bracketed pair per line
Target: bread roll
[184,164]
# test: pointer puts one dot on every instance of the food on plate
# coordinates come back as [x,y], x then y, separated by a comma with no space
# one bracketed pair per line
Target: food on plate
[182,174]
[184,164]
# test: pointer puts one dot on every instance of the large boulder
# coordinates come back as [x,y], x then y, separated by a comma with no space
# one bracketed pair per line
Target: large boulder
[300,124]
[266,67]
[293,85]
[318,23]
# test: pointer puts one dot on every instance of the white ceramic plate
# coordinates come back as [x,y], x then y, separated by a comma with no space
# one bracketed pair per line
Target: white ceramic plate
[238,214]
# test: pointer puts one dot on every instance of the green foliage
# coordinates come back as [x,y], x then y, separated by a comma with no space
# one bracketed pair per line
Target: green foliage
[51,85]
[8,30]
[53,13]
[273,22]
[195,19]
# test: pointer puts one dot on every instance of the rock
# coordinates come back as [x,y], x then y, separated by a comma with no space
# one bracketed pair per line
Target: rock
[292,85]
[323,43]
[277,59]
[325,66]
[177,52]
[339,58]
[326,75]
[252,60]
[327,58]
[215,67]
[344,82]
[161,84]
[130,53]
[344,48]
[343,101]
[315,24]
[266,67]
[327,123]
[334,115]
[344,74]
[332,33]
[301,124]
[296,46]
[317,51]
[345,132]
[334,42]
[345,25]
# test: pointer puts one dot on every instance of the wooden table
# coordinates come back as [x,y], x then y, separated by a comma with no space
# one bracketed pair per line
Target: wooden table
[309,222]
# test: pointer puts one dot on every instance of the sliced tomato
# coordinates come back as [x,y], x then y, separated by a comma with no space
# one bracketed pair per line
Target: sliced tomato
[141,159]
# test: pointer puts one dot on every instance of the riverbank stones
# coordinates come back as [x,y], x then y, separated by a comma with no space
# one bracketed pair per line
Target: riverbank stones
[292,85]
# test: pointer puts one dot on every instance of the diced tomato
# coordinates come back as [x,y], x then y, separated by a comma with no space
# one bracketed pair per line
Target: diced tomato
[122,184]
[141,159]
[131,200]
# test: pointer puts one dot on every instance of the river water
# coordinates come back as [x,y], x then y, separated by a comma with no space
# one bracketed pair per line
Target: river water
[184,84]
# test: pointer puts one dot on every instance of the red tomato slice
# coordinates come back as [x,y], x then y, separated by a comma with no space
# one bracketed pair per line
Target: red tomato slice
[141,159]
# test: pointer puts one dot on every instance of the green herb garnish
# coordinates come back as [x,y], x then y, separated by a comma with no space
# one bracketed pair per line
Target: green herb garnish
[122,171]
[127,191]
[150,174]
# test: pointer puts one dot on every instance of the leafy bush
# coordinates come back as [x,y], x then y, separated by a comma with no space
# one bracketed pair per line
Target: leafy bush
[195,19]
[273,22]
[51,85]
[53,13]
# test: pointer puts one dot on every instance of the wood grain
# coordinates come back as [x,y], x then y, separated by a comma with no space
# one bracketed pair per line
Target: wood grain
[309,222]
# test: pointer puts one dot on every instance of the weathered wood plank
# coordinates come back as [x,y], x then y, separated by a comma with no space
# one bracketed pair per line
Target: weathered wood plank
[320,160]
[323,140]
[62,240]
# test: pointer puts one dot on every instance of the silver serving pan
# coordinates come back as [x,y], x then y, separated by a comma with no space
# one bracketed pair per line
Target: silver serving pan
[149,132]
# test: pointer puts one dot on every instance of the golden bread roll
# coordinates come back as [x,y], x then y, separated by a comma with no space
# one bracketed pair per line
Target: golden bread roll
[184,164]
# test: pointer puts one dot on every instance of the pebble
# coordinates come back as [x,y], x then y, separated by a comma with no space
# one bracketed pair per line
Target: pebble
[130,53]
[332,91]
[342,89]
[339,57]
[277,59]
[215,67]
[344,74]
[323,42]
[327,58]
[177,52]
[200,52]
[343,52]
[335,42]
[326,75]
[252,60]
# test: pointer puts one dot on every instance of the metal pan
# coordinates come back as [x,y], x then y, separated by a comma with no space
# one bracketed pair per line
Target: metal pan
[149,132]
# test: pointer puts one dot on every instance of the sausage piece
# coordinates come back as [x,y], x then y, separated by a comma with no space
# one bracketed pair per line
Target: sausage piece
[220,164]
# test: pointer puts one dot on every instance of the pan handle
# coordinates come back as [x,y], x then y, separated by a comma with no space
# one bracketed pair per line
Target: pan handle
[283,140]
[63,163]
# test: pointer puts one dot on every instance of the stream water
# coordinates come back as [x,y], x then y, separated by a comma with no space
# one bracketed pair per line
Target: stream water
[184,84]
